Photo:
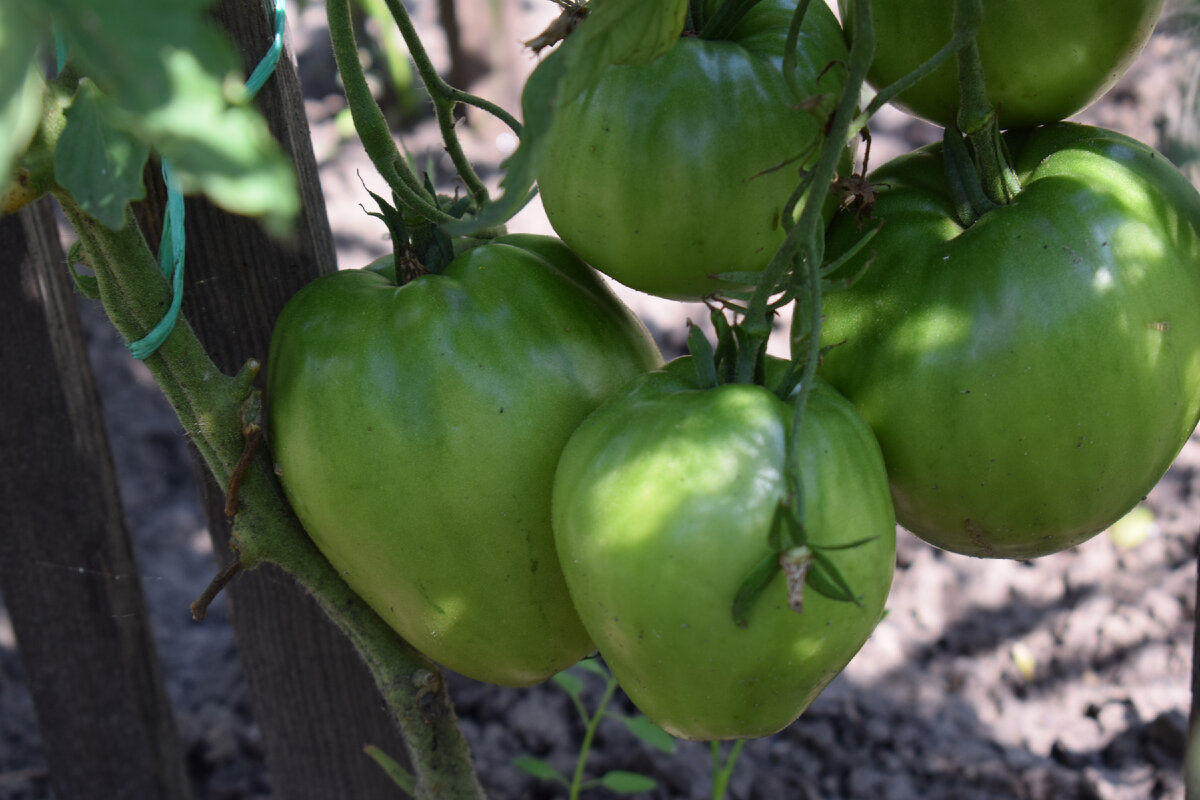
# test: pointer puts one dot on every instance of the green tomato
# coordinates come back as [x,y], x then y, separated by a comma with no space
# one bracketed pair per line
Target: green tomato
[663,502]
[1043,60]
[416,430]
[665,174]
[1032,376]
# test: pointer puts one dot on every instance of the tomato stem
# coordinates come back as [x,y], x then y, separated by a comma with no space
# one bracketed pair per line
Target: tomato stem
[977,116]
[721,773]
[893,90]
[791,45]
[445,97]
[369,121]
[592,722]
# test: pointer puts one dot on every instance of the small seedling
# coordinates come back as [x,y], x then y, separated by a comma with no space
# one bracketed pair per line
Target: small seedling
[618,781]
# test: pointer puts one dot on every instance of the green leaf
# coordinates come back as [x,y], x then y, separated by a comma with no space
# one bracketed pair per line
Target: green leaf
[222,150]
[568,683]
[399,775]
[22,28]
[538,769]
[99,163]
[121,44]
[752,588]
[175,80]
[623,782]
[649,733]
[620,32]
[594,666]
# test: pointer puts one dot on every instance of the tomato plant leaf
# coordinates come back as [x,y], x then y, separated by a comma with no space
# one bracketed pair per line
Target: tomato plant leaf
[98,162]
[399,775]
[175,80]
[752,588]
[649,733]
[220,149]
[121,46]
[568,683]
[538,769]
[22,27]
[623,782]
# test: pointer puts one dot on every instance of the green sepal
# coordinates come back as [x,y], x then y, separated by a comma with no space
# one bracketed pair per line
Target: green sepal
[752,588]
[702,357]
[827,579]
[726,355]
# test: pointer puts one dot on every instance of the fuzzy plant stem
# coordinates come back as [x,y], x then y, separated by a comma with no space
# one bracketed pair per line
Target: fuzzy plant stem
[369,122]
[445,97]
[209,405]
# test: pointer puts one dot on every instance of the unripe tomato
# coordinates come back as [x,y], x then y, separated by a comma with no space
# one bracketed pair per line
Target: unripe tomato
[663,503]
[1032,376]
[1043,60]
[416,430]
[664,174]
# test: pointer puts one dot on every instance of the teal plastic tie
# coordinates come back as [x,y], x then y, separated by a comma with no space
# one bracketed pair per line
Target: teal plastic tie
[267,65]
[171,247]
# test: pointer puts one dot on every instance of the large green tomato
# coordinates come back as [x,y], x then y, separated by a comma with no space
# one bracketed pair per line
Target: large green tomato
[416,430]
[1032,376]
[1043,60]
[664,174]
[663,502]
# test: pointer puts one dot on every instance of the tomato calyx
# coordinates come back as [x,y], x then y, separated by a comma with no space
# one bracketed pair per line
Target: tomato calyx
[419,246]
[978,169]
[803,563]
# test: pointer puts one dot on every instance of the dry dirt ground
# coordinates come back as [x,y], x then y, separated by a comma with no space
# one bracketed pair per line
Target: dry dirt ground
[1061,679]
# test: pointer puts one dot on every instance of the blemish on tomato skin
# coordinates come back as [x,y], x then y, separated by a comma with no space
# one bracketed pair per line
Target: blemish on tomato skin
[978,537]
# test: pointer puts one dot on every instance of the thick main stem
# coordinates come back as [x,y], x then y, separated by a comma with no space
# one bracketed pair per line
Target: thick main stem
[208,404]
